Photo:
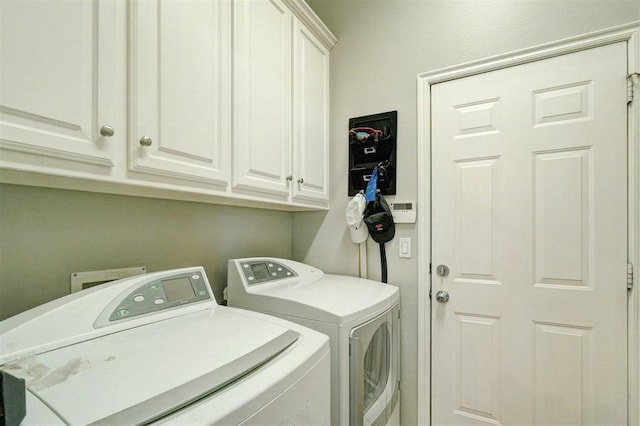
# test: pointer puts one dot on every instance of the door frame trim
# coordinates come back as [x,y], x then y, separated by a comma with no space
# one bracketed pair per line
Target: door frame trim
[629,33]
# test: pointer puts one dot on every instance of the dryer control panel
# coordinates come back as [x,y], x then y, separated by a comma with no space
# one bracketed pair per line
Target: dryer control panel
[258,271]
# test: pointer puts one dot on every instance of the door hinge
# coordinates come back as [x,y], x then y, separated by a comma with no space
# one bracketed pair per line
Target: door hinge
[629,276]
[631,79]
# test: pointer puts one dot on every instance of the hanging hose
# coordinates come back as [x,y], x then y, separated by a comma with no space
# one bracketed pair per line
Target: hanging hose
[383,263]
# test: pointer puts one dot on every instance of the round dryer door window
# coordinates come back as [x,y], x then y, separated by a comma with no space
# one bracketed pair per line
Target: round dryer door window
[373,370]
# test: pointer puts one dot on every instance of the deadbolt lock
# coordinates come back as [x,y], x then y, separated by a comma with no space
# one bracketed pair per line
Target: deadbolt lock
[442,270]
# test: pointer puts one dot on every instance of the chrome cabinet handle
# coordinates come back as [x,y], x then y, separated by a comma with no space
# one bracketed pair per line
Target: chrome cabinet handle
[107,131]
[300,181]
[442,296]
[289,178]
[146,141]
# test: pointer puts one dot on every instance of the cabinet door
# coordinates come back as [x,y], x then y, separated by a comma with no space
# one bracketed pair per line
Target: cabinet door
[310,116]
[59,84]
[262,102]
[180,89]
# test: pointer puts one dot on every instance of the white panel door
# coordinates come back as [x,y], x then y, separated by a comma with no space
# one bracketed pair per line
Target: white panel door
[310,116]
[262,98]
[529,213]
[59,84]
[181,94]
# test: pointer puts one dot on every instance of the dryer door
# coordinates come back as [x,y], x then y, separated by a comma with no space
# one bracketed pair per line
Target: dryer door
[374,370]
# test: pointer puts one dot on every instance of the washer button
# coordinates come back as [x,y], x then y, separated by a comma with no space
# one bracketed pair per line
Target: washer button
[158,301]
[138,298]
[121,313]
[195,276]
[154,287]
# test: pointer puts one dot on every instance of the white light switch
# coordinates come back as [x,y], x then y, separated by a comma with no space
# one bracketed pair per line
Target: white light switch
[405,247]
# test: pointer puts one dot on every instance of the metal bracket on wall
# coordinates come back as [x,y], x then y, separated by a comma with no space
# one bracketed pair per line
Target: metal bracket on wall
[84,280]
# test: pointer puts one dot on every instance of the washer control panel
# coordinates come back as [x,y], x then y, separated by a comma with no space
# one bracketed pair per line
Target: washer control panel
[162,293]
[256,272]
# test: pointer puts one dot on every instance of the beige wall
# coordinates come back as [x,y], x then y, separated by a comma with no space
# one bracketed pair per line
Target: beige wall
[46,234]
[382,46]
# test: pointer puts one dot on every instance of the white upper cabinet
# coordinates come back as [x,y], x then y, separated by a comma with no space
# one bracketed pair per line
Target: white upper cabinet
[281,72]
[180,89]
[262,104]
[310,116]
[61,86]
[221,101]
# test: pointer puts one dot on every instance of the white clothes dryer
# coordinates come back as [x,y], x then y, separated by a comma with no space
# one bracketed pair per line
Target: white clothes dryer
[157,348]
[360,316]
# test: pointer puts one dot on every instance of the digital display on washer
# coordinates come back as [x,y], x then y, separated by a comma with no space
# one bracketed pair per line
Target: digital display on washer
[260,271]
[178,289]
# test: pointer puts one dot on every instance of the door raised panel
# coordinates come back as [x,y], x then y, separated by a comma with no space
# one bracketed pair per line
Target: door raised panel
[559,105]
[262,97]
[563,376]
[57,88]
[478,384]
[477,118]
[563,196]
[474,216]
[310,116]
[181,99]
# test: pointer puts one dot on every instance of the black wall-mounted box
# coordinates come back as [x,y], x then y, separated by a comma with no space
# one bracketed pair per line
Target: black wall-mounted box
[372,142]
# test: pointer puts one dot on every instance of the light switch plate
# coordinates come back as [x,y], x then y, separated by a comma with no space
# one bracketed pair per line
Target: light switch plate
[404,248]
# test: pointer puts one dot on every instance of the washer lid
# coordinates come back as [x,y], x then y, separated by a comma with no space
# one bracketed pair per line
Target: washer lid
[332,298]
[141,374]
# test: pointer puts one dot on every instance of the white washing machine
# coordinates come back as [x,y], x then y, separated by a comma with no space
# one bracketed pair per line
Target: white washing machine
[360,316]
[157,348]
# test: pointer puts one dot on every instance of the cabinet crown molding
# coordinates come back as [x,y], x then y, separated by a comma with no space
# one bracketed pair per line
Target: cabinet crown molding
[304,13]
